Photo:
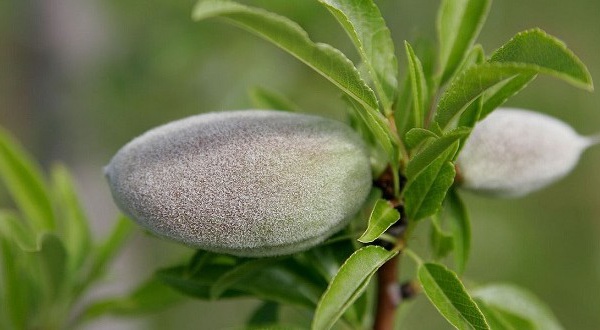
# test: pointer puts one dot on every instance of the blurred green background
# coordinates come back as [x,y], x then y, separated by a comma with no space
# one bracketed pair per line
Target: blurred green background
[81,78]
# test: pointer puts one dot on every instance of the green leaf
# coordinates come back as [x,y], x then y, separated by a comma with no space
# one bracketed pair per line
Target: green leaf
[470,84]
[240,273]
[459,23]
[416,135]
[418,86]
[265,314]
[14,286]
[433,151]
[25,183]
[497,95]
[107,251]
[461,229]
[547,54]
[513,300]
[151,296]
[425,194]
[366,27]
[449,296]
[382,217]
[263,98]
[14,229]
[499,319]
[349,283]
[272,283]
[441,242]
[286,34]
[53,259]
[380,129]
[73,221]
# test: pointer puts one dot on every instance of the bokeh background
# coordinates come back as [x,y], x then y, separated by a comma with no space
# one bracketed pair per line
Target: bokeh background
[78,79]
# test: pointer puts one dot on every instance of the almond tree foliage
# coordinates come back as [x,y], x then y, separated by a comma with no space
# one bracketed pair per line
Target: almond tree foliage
[415,127]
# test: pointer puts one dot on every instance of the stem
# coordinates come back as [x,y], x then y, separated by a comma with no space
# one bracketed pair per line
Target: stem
[388,294]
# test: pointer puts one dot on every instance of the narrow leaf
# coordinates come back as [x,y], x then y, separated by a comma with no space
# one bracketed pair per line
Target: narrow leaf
[425,194]
[14,289]
[517,301]
[106,252]
[548,54]
[441,242]
[366,27]
[378,126]
[326,60]
[272,283]
[25,183]
[418,86]
[416,135]
[382,217]
[461,230]
[73,221]
[240,273]
[263,98]
[459,23]
[265,315]
[497,95]
[151,296]
[52,257]
[499,319]
[433,151]
[471,84]
[14,229]
[449,296]
[349,283]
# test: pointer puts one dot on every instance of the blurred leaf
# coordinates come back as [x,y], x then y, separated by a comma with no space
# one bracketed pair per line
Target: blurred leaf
[418,85]
[13,287]
[53,260]
[424,195]
[266,314]
[441,242]
[497,95]
[547,55]
[382,217]
[511,299]
[14,229]
[240,273]
[461,229]
[25,183]
[150,296]
[459,23]
[416,135]
[366,27]
[448,295]
[499,319]
[326,60]
[73,221]
[349,283]
[433,151]
[263,98]
[106,252]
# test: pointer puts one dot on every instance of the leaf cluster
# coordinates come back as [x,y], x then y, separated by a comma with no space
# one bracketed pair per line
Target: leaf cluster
[416,127]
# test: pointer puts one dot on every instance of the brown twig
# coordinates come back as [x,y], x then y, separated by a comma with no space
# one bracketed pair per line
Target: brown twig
[388,295]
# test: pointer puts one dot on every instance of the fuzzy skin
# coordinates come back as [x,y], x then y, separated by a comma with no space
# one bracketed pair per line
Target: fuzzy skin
[513,152]
[249,183]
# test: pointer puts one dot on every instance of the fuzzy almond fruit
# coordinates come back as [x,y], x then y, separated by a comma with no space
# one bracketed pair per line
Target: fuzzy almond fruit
[250,183]
[513,152]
